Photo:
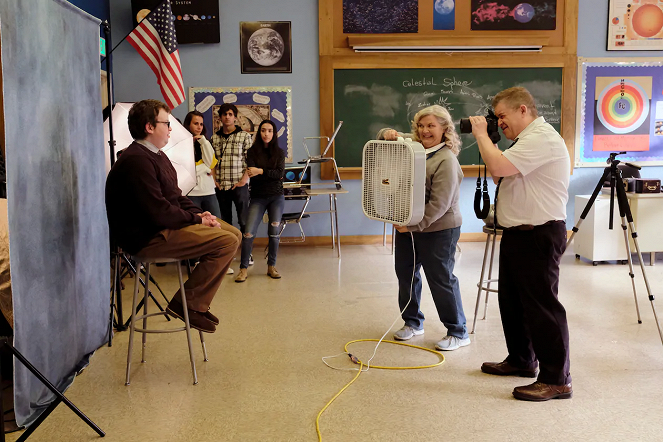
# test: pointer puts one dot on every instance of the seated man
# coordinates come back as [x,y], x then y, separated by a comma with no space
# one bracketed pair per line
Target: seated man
[149,217]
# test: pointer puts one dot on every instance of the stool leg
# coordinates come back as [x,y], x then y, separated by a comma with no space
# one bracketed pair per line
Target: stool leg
[480,285]
[132,327]
[146,299]
[490,274]
[202,341]
[186,323]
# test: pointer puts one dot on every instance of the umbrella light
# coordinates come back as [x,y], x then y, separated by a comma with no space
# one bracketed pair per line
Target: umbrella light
[179,148]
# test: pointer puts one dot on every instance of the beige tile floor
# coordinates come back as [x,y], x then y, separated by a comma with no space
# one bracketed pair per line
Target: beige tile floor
[265,380]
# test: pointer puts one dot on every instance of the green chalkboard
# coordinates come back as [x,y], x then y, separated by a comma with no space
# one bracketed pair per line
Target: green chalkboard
[370,99]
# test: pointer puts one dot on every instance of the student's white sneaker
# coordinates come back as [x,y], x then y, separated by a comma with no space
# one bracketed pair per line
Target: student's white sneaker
[230,271]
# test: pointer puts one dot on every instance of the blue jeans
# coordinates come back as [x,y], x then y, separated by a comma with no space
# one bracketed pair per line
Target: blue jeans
[274,207]
[208,203]
[435,251]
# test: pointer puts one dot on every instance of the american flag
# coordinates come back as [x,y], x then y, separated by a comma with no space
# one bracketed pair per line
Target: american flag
[155,40]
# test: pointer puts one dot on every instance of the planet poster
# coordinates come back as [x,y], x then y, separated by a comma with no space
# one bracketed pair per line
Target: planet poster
[635,25]
[266,47]
[620,110]
[502,15]
[444,15]
[196,21]
[380,16]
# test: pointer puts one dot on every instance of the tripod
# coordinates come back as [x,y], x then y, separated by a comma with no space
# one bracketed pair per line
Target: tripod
[615,175]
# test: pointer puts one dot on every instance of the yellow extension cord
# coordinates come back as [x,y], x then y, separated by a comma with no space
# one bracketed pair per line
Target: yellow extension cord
[361,366]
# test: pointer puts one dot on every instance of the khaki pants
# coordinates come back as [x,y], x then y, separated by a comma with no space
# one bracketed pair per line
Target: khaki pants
[216,248]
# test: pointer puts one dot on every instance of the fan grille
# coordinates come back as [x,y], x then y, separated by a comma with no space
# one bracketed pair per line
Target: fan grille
[387,189]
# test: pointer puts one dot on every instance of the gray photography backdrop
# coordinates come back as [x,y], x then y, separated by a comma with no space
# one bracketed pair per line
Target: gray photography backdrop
[58,232]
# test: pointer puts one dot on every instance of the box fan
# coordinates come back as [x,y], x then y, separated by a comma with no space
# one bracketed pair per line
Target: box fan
[393,184]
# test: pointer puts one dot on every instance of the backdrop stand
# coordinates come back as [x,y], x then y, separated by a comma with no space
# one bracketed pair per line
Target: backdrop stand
[4,341]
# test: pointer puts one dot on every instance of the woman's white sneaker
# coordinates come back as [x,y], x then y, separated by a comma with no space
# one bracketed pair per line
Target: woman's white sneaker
[407,332]
[449,343]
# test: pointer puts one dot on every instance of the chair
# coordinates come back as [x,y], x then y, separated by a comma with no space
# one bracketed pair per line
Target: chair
[145,262]
[295,218]
[484,284]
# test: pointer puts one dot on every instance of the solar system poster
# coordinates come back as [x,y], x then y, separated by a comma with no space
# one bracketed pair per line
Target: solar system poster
[635,25]
[621,109]
[501,15]
[196,21]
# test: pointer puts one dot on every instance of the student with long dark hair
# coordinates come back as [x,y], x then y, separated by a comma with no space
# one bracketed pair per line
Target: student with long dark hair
[265,165]
[203,195]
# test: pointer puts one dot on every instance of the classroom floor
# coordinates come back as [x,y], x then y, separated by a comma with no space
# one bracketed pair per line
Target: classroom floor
[265,380]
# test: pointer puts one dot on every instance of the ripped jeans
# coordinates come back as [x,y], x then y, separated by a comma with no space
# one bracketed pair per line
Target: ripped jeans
[274,207]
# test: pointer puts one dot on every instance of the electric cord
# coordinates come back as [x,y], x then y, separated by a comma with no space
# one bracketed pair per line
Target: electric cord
[361,364]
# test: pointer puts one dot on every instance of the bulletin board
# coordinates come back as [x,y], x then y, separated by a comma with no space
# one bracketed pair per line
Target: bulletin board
[254,104]
[620,109]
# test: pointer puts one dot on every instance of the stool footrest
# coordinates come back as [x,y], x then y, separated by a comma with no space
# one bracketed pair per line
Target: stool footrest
[151,330]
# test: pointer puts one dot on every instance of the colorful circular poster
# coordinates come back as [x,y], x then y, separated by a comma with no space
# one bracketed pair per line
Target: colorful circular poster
[622,106]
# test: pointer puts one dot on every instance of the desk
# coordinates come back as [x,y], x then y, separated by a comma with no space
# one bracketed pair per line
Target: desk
[333,212]
[596,242]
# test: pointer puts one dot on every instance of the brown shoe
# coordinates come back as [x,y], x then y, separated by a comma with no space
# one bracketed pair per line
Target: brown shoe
[212,318]
[197,320]
[506,369]
[539,392]
[243,274]
[273,273]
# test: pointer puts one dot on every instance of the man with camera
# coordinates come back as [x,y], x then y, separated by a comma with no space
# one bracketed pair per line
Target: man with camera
[530,202]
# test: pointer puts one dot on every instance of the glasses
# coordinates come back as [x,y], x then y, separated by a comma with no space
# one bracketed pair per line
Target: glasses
[167,123]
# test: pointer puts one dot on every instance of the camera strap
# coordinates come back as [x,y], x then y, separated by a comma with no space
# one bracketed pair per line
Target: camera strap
[481,196]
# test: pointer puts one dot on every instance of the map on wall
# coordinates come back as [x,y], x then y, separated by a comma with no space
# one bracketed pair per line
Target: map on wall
[635,25]
[380,16]
[492,15]
[621,109]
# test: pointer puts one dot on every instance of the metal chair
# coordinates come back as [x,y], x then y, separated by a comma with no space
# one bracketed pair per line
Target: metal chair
[295,218]
[484,284]
[145,262]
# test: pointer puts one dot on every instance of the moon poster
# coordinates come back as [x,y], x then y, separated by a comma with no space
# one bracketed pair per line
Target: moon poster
[444,15]
[621,110]
[380,16]
[266,47]
[494,15]
[635,25]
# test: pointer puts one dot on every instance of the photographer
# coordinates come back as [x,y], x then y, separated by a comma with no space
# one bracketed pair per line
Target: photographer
[530,204]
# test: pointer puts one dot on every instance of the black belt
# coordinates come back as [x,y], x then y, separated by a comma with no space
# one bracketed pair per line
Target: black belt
[531,227]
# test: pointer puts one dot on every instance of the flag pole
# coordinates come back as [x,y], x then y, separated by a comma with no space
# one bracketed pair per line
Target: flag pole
[125,37]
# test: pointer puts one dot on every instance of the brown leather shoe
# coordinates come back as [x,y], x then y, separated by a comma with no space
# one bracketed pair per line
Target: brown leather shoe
[197,320]
[213,319]
[539,392]
[273,273]
[243,274]
[505,369]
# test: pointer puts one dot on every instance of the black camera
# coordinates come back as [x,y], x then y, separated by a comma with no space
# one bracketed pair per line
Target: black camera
[493,128]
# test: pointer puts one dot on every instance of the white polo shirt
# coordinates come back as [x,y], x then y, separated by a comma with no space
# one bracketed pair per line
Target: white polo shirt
[539,192]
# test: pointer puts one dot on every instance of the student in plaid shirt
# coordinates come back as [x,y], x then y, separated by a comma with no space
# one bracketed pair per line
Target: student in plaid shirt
[231,144]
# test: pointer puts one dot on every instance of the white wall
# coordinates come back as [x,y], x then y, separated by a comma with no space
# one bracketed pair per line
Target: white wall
[218,65]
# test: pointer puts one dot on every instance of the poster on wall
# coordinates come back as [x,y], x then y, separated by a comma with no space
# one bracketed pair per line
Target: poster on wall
[254,104]
[635,25]
[444,15]
[620,107]
[493,15]
[265,47]
[381,16]
[196,21]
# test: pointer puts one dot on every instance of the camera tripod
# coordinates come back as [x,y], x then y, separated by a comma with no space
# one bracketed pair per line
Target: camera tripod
[615,175]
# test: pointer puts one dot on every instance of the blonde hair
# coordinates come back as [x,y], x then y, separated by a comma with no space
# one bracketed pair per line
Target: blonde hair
[514,97]
[450,136]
